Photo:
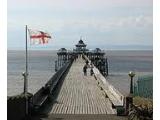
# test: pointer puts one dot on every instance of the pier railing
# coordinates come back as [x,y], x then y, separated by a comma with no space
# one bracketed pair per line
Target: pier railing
[36,100]
[42,94]
[143,87]
[114,95]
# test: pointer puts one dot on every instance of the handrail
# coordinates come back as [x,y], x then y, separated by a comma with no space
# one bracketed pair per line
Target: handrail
[44,91]
[107,86]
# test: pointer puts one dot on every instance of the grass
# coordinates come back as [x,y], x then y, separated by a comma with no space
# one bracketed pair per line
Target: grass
[143,102]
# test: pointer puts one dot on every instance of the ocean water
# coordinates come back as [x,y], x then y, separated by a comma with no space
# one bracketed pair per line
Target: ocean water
[41,67]
[124,61]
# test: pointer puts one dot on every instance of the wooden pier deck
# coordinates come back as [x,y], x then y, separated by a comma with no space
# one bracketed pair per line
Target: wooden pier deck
[80,94]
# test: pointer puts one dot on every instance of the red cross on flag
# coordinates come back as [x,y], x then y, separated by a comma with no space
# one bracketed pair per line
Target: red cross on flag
[38,37]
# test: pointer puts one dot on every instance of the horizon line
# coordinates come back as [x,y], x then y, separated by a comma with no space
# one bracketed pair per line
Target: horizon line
[72,49]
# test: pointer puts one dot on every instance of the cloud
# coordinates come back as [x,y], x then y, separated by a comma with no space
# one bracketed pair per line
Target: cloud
[122,21]
[106,23]
[72,6]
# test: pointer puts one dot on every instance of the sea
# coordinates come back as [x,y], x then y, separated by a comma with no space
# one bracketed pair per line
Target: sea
[41,65]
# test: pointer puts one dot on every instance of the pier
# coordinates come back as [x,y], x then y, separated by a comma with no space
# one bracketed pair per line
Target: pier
[71,93]
[81,94]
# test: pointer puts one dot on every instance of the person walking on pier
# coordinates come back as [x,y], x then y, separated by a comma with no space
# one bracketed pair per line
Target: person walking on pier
[85,69]
[87,62]
[91,70]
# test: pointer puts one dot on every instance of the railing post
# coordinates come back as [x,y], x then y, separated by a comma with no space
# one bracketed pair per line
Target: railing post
[106,66]
[56,68]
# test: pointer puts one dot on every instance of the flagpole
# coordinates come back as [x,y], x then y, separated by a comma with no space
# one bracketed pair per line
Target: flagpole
[26,72]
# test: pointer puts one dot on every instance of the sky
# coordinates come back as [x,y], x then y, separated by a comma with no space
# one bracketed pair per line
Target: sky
[108,24]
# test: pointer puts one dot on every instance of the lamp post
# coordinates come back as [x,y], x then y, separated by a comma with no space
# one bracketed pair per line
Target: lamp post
[129,99]
[131,75]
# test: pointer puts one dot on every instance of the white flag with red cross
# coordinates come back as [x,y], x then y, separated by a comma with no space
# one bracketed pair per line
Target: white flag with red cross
[38,37]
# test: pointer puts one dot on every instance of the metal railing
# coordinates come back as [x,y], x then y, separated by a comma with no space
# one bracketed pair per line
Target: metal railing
[143,87]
